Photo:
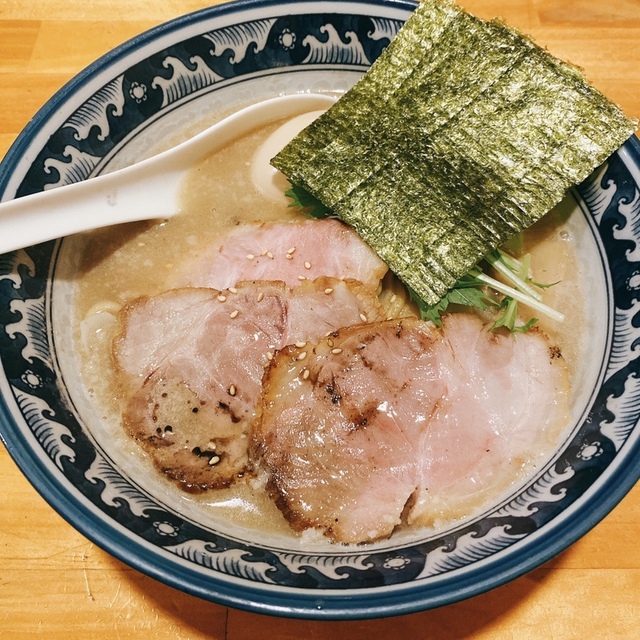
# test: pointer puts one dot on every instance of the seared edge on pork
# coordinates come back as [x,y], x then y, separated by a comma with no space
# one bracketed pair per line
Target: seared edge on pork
[398,421]
[191,361]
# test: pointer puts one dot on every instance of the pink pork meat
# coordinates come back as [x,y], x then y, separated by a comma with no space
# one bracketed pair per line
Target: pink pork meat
[400,422]
[191,363]
[287,251]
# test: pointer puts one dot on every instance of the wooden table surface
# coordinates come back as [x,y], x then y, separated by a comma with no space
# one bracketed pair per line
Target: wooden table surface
[56,584]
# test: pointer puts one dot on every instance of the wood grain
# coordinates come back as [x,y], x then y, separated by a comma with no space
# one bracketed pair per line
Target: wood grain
[54,583]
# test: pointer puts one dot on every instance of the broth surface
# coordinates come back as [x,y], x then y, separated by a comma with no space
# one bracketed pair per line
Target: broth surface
[124,262]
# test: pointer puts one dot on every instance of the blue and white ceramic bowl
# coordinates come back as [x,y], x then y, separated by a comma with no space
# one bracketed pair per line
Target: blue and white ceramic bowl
[113,112]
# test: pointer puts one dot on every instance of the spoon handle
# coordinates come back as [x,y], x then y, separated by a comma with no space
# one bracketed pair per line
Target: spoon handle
[136,193]
[146,190]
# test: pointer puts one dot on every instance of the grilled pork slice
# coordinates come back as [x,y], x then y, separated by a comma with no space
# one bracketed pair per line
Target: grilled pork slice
[285,251]
[398,421]
[191,363]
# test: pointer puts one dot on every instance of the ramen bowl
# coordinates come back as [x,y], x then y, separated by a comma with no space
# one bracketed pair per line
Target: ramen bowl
[163,85]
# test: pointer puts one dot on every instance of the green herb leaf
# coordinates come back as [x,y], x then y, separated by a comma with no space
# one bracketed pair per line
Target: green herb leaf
[302,199]
[433,312]
[467,292]
[509,315]
[473,290]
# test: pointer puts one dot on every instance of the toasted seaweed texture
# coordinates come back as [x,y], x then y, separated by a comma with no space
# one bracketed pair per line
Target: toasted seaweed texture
[462,134]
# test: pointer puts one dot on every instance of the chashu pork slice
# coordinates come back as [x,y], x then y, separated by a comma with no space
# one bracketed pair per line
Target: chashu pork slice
[191,362]
[285,251]
[398,421]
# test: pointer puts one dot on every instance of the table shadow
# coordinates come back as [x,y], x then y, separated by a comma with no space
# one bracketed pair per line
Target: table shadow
[463,619]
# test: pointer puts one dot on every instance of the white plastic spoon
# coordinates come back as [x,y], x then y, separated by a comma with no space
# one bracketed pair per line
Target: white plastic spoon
[146,190]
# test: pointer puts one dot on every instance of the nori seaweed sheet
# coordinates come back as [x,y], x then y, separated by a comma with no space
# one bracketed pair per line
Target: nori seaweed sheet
[462,134]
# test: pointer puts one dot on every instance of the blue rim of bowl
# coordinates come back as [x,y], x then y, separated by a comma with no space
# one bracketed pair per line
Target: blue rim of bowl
[288,602]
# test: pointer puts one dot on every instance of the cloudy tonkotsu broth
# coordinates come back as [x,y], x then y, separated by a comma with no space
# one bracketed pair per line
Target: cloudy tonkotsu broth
[121,263]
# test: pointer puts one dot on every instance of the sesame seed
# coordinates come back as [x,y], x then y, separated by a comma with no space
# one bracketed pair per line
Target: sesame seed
[233,290]
[305,374]
[330,342]
[250,256]
[289,256]
[307,265]
[363,317]
[328,290]
[222,298]
[269,255]
[269,355]
[302,277]
[232,390]
[336,351]
[214,460]
[234,313]
[265,252]
[302,355]
[291,251]
[301,344]
[261,296]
